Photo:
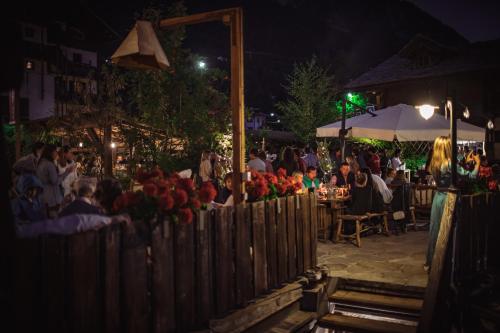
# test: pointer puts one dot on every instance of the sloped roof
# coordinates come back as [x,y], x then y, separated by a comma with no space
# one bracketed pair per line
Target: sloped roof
[400,67]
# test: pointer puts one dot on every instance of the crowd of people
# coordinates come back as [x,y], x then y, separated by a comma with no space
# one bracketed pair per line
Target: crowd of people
[48,184]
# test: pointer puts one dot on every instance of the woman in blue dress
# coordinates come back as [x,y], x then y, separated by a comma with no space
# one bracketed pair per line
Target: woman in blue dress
[440,168]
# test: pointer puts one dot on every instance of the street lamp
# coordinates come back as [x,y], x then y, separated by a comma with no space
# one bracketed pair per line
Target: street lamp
[490,125]
[202,65]
[426,111]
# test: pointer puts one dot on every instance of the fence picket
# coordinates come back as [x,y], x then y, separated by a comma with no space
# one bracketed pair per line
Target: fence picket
[291,232]
[244,289]
[282,240]
[259,248]
[271,244]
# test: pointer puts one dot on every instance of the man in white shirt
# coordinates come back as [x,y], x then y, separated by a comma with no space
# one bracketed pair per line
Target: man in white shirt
[382,188]
[255,162]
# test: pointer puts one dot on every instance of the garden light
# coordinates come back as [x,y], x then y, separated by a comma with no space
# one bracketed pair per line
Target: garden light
[426,110]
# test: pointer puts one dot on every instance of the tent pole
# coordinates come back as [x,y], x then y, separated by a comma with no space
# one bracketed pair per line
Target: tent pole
[342,129]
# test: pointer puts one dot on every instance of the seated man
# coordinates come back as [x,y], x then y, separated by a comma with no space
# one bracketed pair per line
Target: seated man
[227,190]
[29,207]
[310,180]
[82,204]
[344,177]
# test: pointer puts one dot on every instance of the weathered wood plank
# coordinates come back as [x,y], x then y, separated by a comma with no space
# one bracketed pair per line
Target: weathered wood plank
[241,320]
[134,275]
[54,285]
[370,299]
[163,278]
[438,261]
[354,324]
[314,228]
[291,232]
[271,244]
[223,258]
[259,248]
[27,285]
[306,230]
[244,271]
[184,276]
[111,247]
[282,240]
[203,276]
[84,282]
[299,233]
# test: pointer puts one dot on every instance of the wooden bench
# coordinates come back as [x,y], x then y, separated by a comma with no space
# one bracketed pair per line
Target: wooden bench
[360,225]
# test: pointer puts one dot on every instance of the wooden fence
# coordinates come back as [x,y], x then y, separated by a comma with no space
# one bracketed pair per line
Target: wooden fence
[173,278]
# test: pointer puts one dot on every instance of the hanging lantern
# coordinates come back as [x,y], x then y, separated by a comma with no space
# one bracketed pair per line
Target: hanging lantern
[141,49]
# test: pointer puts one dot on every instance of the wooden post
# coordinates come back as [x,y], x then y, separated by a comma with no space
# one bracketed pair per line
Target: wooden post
[237,104]
[233,17]
[15,116]
[438,261]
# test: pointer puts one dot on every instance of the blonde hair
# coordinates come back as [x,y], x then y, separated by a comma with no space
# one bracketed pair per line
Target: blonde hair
[441,155]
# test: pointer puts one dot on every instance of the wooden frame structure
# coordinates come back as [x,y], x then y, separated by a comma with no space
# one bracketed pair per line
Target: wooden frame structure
[234,18]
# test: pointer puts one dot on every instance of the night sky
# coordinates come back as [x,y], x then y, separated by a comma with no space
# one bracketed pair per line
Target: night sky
[476,20]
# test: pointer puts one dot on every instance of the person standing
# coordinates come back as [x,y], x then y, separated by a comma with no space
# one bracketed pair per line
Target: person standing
[384,161]
[300,161]
[66,160]
[289,163]
[28,163]
[205,166]
[374,162]
[255,163]
[51,179]
[269,164]
[396,159]
[311,158]
[440,168]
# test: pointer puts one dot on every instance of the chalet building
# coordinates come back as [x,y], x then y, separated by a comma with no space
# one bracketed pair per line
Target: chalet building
[57,73]
[426,72]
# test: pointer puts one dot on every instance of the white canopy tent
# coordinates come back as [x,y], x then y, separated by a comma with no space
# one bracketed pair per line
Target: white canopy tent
[404,123]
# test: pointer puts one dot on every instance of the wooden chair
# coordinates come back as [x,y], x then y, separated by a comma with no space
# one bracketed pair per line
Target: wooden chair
[357,219]
[385,224]
[421,204]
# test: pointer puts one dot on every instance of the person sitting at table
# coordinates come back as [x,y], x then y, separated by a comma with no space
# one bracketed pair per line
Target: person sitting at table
[361,196]
[399,179]
[310,180]
[344,177]
[380,192]
[391,173]
[226,191]
[299,178]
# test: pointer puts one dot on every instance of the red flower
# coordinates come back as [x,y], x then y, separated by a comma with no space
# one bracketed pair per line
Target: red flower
[185,184]
[150,189]
[180,197]
[142,176]
[195,203]
[163,186]
[125,200]
[207,192]
[492,185]
[166,201]
[185,215]
[271,178]
[281,173]
[157,172]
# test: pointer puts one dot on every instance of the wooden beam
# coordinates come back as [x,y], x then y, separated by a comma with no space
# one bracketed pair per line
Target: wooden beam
[437,265]
[233,17]
[215,15]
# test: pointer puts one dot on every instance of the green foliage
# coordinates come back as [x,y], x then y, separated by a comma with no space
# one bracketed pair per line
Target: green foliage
[378,144]
[356,98]
[310,102]
[414,162]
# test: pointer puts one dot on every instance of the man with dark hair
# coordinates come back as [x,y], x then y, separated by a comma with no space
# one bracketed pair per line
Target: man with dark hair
[344,177]
[255,162]
[28,163]
[82,204]
[310,180]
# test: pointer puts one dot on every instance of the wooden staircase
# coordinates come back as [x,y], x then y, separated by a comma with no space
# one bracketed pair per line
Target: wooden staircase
[363,306]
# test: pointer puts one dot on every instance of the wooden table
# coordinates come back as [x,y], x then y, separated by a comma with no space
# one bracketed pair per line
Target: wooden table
[328,212]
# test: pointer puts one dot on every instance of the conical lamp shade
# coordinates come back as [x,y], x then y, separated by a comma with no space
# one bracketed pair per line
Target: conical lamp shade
[141,49]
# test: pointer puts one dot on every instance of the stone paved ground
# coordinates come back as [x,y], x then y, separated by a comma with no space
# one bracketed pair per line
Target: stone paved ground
[393,259]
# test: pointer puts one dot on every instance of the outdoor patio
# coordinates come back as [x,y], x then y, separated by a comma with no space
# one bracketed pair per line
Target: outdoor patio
[393,259]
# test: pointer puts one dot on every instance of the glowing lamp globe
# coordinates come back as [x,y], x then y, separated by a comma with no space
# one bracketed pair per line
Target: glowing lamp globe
[426,111]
